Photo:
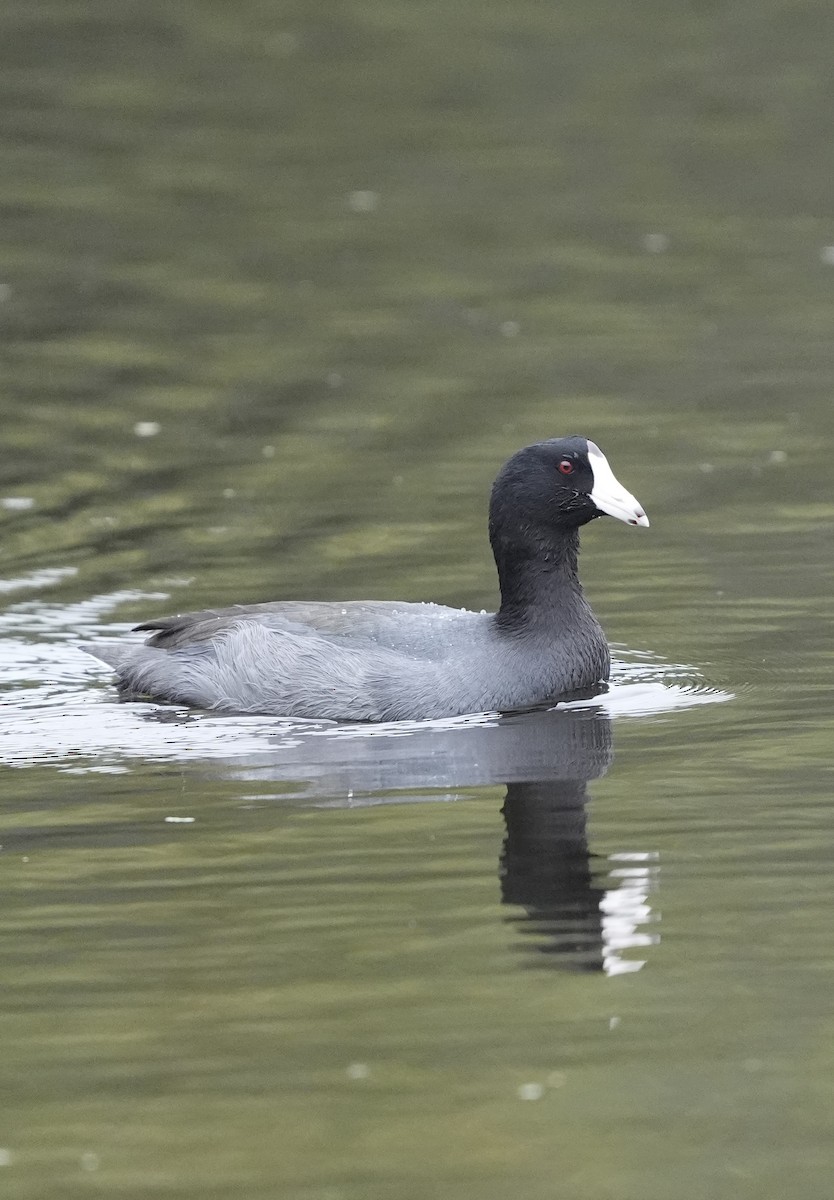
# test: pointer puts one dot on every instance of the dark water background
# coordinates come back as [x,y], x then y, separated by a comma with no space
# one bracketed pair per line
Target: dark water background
[282,285]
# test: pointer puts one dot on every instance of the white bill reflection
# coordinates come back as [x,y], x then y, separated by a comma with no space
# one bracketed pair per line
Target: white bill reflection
[626,911]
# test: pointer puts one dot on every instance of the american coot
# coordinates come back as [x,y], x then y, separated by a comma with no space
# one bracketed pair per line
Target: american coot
[384,661]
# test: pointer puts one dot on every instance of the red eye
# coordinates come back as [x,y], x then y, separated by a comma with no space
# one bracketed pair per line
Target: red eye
[566,466]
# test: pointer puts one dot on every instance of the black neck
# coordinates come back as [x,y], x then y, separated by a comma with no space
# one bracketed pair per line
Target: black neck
[537,574]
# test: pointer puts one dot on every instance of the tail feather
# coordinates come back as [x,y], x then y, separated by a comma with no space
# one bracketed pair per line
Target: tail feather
[111,652]
[146,671]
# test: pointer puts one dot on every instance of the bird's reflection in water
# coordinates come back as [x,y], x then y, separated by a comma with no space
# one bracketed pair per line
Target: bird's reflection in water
[579,910]
[575,909]
[548,871]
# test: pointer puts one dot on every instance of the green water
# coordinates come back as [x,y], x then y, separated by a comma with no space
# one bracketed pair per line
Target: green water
[282,285]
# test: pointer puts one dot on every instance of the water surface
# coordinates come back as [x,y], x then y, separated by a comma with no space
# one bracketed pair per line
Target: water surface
[282,287]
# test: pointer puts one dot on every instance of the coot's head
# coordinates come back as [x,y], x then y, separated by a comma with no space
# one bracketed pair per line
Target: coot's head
[562,483]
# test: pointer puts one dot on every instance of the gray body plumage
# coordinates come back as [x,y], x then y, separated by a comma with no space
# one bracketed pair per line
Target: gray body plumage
[372,661]
[383,661]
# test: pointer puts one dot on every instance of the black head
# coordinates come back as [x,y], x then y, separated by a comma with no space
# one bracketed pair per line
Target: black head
[558,485]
